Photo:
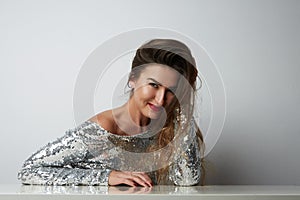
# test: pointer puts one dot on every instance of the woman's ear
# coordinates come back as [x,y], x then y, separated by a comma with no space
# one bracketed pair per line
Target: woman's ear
[131,84]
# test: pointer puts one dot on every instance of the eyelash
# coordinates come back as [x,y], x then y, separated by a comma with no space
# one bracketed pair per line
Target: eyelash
[153,85]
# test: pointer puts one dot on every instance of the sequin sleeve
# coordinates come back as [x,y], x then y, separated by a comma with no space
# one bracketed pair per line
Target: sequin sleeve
[63,162]
[186,170]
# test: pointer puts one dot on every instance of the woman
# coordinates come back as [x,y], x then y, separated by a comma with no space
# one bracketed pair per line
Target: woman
[151,139]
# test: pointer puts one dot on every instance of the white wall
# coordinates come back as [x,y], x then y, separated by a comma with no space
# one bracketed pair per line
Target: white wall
[255,45]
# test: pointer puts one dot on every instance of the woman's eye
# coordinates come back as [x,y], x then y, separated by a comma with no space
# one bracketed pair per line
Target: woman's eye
[153,85]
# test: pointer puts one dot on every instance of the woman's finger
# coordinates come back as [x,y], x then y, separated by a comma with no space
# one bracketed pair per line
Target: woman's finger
[144,177]
[118,177]
[141,178]
[136,177]
[129,182]
[130,178]
[139,181]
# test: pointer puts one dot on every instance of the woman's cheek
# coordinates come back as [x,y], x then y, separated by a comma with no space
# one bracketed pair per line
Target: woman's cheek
[147,92]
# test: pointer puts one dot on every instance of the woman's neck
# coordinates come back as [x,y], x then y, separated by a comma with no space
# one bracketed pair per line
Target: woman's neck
[129,120]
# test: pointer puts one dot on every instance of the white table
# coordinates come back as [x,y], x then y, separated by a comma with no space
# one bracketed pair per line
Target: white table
[32,192]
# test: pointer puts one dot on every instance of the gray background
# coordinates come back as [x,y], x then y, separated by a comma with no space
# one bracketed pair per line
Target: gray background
[255,45]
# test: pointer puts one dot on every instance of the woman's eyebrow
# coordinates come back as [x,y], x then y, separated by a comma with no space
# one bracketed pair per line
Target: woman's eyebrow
[158,83]
[155,81]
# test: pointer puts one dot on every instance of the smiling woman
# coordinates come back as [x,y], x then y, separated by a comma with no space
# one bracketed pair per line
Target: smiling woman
[152,90]
[151,139]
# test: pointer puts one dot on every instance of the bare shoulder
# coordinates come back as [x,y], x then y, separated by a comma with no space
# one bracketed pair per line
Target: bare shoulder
[105,120]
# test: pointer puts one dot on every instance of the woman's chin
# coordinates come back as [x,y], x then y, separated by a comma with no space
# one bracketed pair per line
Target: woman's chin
[157,115]
[154,115]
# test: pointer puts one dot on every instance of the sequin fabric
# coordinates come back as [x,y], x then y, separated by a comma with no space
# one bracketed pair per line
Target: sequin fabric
[86,154]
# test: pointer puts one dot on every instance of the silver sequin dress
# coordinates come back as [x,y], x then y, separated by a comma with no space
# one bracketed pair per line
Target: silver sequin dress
[86,154]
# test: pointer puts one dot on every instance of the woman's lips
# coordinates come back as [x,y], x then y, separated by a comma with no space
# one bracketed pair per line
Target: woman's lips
[155,108]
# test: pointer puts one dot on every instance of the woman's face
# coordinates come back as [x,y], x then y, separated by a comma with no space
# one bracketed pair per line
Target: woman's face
[153,90]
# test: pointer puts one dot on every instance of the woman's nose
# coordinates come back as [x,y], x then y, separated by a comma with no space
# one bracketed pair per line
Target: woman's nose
[160,97]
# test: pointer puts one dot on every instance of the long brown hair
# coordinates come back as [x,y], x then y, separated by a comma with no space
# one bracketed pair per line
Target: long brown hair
[178,56]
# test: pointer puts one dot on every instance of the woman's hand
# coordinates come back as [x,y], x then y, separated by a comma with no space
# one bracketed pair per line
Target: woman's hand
[129,178]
